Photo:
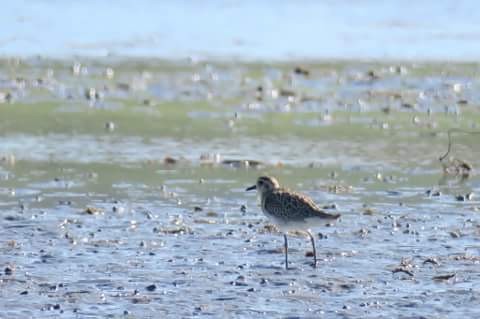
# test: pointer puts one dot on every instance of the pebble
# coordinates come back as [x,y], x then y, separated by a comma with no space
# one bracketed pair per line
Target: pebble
[330,206]
[301,71]
[238,283]
[170,160]
[8,270]
[90,94]
[322,236]
[201,308]
[110,126]
[433,193]
[109,73]
[454,234]
[5,97]
[151,287]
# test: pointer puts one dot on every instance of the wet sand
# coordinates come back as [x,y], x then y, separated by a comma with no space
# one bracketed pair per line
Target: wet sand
[122,188]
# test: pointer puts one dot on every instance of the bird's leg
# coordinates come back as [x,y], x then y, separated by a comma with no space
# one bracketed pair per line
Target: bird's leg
[314,250]
[286,251]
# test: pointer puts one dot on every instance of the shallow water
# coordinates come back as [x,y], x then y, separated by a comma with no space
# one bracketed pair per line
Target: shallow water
[104,195]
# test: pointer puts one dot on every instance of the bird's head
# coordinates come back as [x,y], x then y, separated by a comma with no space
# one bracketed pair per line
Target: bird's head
[265,184]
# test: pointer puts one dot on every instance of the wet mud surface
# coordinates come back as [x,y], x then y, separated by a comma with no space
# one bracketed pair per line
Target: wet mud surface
[122,189]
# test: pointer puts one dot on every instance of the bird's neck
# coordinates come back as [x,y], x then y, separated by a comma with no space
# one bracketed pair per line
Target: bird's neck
[268,191]
[265,193]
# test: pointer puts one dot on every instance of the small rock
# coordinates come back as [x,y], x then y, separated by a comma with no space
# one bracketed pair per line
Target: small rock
[109,73]
[240,281]
[76,68]
[455,234]
[457,87]
[369,212]
[110,126]
[8,270]
[431,260]
[201,308]
[330,206]
[5,97]
[322,236]
[433,193]
[169,160]
[444,277]
[373,75]
[123,86]
[90,94]
[301,71]
[118,209]
[270,228]
[403,269]
[151,287]
[93,211]
[333,174]
[147,102]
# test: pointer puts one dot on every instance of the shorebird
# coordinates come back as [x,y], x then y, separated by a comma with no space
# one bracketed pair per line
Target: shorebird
[290,210]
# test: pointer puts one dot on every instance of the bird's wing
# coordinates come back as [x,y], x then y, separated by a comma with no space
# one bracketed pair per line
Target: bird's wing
[289,205]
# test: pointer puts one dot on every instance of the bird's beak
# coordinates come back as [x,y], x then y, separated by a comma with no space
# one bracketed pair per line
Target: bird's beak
[251,188]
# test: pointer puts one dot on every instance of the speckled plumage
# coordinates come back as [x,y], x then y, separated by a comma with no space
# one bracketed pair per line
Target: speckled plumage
[290,210]
[286,206]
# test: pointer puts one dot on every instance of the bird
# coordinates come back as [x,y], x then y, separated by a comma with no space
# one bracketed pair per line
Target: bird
[290,210]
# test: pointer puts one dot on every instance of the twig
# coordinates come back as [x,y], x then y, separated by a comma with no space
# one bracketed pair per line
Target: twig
[450,131]
[402,269]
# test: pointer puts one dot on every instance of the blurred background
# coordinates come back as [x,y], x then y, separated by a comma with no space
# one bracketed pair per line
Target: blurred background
[366,29]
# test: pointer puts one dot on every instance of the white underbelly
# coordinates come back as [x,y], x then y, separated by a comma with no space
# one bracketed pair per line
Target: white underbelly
[288,225]
[284,225]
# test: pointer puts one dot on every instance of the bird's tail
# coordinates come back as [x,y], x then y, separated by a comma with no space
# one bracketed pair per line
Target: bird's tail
[324,215]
